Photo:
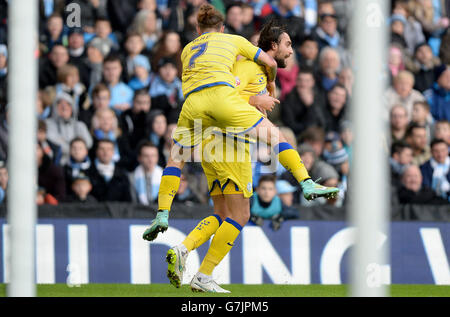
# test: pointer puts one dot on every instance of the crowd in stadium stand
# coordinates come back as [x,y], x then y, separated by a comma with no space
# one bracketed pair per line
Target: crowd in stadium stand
[110,94]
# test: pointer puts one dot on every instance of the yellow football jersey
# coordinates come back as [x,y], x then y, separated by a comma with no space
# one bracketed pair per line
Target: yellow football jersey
[250,78]
[208,60]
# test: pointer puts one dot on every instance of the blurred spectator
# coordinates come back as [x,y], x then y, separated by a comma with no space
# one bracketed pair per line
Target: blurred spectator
[341,8]
[398,24]
[96,53]
[47,9]
[442,131]
[402,92]
[168,46]
[327,35]
[54,33]
[103,32]
[307,55]
[234,21]
[423,66]
[81,187]
[330,66]
[265,204]
[136,122]
[431,15]
[335,108]
[303,106]
[436,171]
[105,126]
[347,80]
[145,23]
[248,20]
[146,178]
[68,81]
[50,149]
[142,77]
[315,137]
[398,123]
[285,12]
[412,191]
[109,181]
[158,127]
[416,136]
[78,54]
[396,60]
[412,32]
[401,158]
[121,94]
[134,45]
[165,89]
[50,176]
[101,98]
[49,66]
[79,162]
[4,179]
[438,96]
[335,155]
[63,127]
[421,115]
[286,193]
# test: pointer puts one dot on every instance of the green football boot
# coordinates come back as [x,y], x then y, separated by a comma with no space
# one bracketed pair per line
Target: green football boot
[176,265]
[312,190]
[159,224]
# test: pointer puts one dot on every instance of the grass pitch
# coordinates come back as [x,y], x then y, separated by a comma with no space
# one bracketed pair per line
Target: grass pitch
[237,290]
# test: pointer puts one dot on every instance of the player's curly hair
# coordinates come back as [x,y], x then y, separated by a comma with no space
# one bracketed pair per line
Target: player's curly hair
[209,18]
[270,34]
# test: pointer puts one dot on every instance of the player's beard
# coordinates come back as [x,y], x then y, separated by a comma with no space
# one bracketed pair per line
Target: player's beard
[281,62]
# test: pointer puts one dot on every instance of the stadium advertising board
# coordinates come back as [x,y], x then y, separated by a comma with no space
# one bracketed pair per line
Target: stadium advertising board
[79,251]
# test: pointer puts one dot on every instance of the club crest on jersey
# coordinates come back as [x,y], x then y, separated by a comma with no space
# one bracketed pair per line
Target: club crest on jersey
[238,81]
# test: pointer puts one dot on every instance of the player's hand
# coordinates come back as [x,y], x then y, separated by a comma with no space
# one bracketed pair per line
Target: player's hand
[264,102]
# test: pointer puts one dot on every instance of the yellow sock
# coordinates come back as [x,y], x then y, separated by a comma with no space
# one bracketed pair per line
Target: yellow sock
[220,245]
[291,160]
[170,182]
[202,232]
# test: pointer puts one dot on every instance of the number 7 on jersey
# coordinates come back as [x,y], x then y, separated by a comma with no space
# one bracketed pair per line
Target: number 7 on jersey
[201,50]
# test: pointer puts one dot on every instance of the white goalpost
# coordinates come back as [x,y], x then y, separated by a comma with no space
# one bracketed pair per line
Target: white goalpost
[369,205]
[22,92]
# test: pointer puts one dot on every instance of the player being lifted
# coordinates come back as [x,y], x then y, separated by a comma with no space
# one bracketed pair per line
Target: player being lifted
[211,98]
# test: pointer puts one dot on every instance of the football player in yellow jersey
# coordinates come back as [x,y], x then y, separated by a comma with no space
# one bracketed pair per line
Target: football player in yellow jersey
[211,99]
[229,174]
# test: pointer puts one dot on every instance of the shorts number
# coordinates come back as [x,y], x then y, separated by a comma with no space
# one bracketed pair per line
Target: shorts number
[201,49]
